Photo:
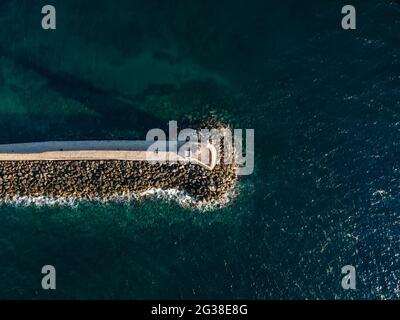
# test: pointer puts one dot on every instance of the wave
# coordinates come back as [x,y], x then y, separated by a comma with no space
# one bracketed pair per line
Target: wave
[181,197]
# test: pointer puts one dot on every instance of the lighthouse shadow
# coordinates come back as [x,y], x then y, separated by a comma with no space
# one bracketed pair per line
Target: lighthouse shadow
[112,115]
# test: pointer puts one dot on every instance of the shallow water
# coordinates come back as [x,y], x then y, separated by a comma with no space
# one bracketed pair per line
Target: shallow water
[324,104]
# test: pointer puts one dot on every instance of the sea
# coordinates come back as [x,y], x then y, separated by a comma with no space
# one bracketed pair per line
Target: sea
[325,106]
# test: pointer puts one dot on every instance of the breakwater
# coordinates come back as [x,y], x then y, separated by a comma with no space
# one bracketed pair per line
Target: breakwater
[112,179]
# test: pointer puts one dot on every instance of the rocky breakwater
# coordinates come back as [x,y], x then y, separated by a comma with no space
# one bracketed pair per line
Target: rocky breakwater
[111,180]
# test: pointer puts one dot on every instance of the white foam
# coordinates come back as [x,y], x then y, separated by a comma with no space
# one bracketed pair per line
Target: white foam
[181,197]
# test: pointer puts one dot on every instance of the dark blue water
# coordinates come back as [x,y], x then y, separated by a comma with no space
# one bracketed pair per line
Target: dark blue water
[325,106]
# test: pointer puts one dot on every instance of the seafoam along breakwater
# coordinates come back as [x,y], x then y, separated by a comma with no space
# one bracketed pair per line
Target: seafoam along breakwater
[71,182]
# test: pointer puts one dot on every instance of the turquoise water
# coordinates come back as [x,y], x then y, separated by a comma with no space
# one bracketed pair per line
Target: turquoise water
[324,104]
